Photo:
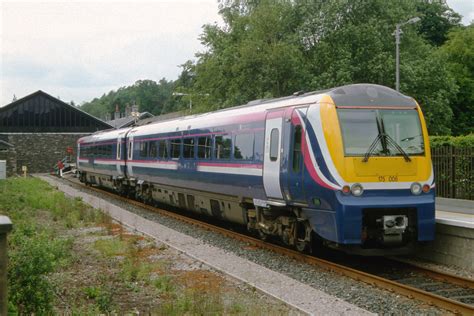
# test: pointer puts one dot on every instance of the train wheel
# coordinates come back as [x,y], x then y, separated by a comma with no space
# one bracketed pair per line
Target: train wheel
[302,246]
[262,235]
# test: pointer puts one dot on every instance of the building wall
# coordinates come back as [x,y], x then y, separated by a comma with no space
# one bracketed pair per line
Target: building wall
[38,151]
[10,156]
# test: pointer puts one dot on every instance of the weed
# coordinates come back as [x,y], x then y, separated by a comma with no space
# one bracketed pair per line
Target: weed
[134,270]
[101,296]
[111,247]
[164,284]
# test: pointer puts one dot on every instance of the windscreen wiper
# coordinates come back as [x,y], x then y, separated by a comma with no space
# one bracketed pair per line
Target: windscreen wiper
[372,147]
[391,141]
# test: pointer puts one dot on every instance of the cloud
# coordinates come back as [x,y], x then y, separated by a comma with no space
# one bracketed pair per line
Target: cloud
[84,48]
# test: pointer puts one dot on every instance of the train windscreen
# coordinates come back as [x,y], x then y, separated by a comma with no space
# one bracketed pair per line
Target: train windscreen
[380,131]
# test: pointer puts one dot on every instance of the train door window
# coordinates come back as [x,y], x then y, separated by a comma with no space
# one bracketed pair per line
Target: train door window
[153,150]
[274,135]
[163,149]
[223,146]
[204,147]
[176,148]
[297,149]
[130,149]
[243,146]
[188,148]
[143,149]
[119,149]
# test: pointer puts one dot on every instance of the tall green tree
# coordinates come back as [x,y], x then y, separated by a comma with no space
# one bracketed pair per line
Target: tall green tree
[458,52]
[147,94]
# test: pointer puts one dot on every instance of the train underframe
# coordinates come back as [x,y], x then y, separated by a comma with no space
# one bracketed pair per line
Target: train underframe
[269,221]
[286,224]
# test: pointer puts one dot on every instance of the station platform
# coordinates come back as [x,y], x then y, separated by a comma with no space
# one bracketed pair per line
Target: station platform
[455,212]
[454,241]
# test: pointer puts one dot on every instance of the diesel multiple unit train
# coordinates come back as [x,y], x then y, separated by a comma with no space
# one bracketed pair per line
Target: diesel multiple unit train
[348,166]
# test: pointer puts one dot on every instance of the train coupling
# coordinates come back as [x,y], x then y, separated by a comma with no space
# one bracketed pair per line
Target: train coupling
[393,227]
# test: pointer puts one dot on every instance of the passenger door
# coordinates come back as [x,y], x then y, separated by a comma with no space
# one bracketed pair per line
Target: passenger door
[296,156]
[129,155]
[272,155]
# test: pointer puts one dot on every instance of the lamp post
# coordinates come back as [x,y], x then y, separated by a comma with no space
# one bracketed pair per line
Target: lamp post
[398,31]
[180,94]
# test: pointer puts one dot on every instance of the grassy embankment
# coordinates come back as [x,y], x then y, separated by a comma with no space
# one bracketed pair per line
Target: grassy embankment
[66,257]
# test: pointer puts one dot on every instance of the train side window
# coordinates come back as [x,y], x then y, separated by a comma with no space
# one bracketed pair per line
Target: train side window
[188,148]
[163,149]
[176,148]
[153,153]
[143,149]
[130,149]
[297,149]
[204,147]
[243,146]
[274,135]
[258,148]
[223,146]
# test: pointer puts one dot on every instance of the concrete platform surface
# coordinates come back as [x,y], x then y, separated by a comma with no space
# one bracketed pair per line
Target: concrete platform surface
[299,295]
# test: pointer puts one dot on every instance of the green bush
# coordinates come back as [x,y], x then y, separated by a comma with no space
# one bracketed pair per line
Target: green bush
[466,141]
[31,259]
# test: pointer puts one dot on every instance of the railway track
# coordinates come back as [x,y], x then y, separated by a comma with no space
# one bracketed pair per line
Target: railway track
[432,287]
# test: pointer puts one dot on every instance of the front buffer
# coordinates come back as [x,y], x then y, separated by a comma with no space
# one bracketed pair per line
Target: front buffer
[382,222]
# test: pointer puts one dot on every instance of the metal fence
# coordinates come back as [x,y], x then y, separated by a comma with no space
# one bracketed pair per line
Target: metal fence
[454,172]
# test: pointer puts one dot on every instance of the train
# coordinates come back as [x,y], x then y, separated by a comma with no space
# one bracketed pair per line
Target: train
[347,167]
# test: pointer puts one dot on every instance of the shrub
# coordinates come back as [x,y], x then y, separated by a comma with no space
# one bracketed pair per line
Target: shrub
[466,141]
[31,259]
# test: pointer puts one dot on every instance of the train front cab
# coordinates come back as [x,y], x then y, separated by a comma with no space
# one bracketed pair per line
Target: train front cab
[382,200]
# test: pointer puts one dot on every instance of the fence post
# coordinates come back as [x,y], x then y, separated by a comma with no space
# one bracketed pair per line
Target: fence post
[5,228]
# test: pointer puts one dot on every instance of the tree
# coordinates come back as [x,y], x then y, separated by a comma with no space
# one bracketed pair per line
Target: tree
[256,54]
[437,20]
[458,53]
[147,94]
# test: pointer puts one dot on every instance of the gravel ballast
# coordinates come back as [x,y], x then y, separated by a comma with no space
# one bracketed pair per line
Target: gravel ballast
[360,294]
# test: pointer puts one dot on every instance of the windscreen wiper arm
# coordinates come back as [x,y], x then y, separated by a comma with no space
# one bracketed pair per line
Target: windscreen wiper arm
[391,141]
[372,147]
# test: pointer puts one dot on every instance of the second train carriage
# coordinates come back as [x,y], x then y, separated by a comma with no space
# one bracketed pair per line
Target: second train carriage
[350,166]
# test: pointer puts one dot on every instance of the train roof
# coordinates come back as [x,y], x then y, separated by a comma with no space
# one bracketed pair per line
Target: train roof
[366,95]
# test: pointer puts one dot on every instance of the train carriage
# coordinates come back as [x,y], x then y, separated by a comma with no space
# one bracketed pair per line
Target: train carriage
[350,166]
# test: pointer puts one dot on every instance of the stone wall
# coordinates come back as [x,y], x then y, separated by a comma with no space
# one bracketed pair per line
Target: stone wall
[38,151]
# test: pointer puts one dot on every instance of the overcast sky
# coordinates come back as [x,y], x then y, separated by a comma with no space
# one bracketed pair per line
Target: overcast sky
[80,50]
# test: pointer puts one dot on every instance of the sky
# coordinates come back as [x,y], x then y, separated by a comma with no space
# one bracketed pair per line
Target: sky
[81,50]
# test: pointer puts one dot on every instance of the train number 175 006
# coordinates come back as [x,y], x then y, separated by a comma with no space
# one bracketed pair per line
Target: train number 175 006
[388,178]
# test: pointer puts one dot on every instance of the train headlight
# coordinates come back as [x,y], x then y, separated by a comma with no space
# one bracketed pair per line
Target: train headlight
[416,188]
[426,188]
[357,189]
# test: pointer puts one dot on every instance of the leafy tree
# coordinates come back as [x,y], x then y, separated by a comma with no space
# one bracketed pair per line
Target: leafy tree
[458,52]
[437,20]
[256,54]
[147,94]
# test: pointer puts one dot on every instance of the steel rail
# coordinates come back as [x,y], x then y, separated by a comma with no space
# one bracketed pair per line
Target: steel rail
[392,286]
[438,275]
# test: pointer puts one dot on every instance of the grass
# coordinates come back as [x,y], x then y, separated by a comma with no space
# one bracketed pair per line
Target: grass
[114,272]
[37,246]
